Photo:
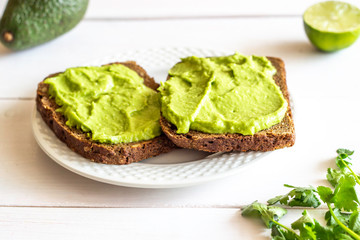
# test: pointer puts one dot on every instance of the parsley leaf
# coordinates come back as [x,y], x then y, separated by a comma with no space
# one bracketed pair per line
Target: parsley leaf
[299,196]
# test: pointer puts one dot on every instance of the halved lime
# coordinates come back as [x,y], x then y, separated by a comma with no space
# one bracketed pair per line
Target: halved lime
[332,25]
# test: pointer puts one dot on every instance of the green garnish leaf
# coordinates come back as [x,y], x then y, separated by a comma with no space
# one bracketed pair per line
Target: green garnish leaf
[310,228]
[333,176]
[305,219]
[343,154]
[343,217]
[325,193]
[345,151]
[299,196]
[340,162]
[279,233]
[264,212]
[343,236]
[354,221]
[345,196]
[305,225]
[331,222]
[324,233]
[340,225]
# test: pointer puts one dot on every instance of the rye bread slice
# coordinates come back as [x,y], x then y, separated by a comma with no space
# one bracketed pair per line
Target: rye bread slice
[278,136]
[123,153]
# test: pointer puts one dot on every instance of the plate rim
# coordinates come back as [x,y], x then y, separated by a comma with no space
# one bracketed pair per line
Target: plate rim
[134,184]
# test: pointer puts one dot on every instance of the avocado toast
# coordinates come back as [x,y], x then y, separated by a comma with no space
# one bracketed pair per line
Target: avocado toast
[80,142]
[277,136]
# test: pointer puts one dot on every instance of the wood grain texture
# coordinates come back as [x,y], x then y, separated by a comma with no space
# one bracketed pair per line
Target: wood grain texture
[280,37]
[322,86]
[140,9]
[115,223]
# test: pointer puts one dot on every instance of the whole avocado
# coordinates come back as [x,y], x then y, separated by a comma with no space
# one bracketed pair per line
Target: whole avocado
[28,23]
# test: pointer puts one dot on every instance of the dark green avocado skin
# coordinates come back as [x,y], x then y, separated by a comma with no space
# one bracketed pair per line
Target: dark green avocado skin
[33,22]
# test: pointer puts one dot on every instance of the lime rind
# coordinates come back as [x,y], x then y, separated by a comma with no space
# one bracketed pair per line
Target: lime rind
[329,42]
[332,25]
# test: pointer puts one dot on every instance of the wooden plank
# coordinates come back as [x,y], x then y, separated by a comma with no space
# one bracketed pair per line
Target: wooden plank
[187,8]
[137,9]
[91,40]
[138,223]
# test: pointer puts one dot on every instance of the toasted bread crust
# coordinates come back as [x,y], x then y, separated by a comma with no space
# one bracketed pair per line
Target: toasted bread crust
[278,136]
[123,153]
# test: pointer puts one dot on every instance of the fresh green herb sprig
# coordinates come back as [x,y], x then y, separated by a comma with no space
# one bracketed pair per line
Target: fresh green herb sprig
[299,196]
[342,219]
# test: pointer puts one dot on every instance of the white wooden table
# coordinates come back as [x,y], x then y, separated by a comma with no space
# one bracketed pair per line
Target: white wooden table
[41,200]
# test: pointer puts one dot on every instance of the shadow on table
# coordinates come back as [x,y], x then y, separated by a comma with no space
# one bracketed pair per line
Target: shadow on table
[254,228]
[290,50]
[323,165]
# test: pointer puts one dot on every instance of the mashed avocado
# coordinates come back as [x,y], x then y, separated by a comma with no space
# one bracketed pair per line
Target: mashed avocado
[110,103]
[231,94]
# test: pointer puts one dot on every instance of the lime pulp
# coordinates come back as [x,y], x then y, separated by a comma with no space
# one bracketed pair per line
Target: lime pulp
[332,25]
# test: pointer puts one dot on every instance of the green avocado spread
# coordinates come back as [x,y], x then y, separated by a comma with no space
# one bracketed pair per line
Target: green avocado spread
[230,94]
[110,103]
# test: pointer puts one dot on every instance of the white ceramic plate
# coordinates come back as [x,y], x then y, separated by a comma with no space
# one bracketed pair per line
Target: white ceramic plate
[178,168]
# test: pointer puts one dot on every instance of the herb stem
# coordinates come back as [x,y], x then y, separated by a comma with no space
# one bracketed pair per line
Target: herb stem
[356,178]
[288,229]
[348,230]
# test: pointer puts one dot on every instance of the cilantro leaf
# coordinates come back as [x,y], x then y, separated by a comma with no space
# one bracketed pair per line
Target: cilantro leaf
[280,198]
[299,196]
[340,162]
[342,217]
[325,193]
[345,151]
[340,225]
[333,176]
[354,221]
[345,196]
[279,233]
[340,159]
[305,219]
[331,222]
[264,212]
[345,165]
[343,236]
[323,232]
[311,229]
[305,225]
